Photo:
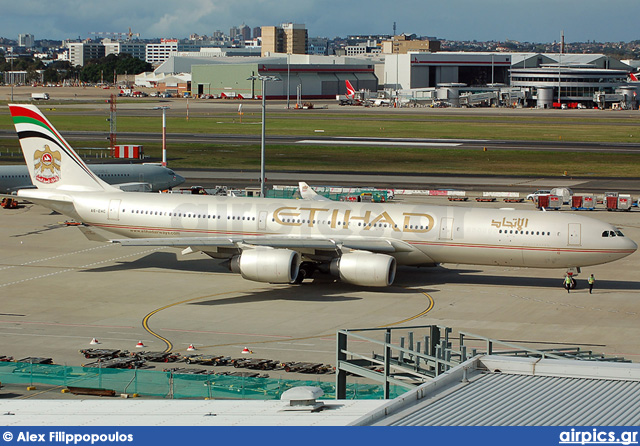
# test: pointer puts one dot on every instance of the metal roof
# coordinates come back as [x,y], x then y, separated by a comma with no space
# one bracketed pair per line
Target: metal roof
[139,412]
[491,391]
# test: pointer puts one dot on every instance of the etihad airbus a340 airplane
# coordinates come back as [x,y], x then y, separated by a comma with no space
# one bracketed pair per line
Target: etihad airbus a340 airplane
[283,241]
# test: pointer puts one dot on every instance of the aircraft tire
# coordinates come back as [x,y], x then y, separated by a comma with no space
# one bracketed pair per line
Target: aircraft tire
[304,272]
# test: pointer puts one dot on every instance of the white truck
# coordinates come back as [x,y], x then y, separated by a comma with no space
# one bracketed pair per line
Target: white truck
[40,96]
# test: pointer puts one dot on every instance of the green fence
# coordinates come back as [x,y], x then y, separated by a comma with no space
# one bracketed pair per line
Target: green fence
[173,385]
[282,193]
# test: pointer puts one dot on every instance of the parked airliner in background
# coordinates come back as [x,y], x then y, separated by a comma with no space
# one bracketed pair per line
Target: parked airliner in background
[284,241]
[137,177]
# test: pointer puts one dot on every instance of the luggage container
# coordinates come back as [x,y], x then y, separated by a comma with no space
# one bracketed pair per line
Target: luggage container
[549,202]
[624,202]
[576,202]
[618,202]
[583,202]
[542,201]
[564,193]
[589,202]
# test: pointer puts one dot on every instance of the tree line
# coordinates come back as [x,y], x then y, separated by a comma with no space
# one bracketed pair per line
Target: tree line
[93,71]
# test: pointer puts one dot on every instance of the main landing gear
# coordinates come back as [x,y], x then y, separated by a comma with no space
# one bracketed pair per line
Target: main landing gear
[305,271]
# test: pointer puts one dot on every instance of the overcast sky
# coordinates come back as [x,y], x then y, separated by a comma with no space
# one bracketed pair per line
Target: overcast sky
[522,20]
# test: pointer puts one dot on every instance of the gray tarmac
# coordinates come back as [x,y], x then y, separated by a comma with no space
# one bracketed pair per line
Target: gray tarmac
[60,290]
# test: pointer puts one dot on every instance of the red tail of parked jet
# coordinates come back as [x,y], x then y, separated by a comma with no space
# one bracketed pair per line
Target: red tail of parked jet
[351,92]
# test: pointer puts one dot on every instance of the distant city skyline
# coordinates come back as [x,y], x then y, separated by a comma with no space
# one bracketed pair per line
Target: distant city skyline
[539,21]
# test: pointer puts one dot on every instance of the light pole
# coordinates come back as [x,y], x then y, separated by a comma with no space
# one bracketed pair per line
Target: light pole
[164,133]
[264,80]
[288,77]
[12,76]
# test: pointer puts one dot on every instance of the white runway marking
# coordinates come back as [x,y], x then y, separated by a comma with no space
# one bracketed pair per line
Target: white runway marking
[379,143]
[79,267]
[56,257]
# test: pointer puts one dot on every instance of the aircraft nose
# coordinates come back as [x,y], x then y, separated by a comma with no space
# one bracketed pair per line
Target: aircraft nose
[631,245]
[178,179]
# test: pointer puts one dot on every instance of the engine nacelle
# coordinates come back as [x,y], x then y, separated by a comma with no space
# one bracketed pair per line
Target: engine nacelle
[365,269]
[267,265]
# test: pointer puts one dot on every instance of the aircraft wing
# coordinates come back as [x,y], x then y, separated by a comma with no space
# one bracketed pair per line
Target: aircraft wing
[207,243]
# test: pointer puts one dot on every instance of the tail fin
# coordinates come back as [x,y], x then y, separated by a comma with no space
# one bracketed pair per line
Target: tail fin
[350,90]
[51,161]
[309,194]
[633,77]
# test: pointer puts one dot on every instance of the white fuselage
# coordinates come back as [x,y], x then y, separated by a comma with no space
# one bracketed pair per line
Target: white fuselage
[435,234]
[13,178]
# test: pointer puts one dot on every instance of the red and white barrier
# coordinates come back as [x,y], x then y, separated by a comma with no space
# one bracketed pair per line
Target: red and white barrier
[129,151]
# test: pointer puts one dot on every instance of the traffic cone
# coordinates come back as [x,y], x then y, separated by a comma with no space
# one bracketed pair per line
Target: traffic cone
[139,344]
[94,341]
[191,348]
[246,351]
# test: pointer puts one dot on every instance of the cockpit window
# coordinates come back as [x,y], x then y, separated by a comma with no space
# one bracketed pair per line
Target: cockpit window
[171,172]
[619,234]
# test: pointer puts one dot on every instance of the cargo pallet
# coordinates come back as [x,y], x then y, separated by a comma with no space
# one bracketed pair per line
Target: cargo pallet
[485,199]
[458,198]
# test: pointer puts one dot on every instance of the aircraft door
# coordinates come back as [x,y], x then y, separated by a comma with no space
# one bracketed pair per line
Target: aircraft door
[446,228]
[114,210]
[262,220]
[575,234]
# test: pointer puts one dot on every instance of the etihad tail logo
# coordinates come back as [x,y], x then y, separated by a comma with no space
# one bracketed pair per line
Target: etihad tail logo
[46,164]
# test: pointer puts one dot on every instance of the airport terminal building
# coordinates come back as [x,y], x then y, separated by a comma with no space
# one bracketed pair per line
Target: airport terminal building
[586,79]
[425,70]
[542,80]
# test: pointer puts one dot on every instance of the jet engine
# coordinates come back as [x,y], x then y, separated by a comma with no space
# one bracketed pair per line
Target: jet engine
[365,268]
[267,265]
